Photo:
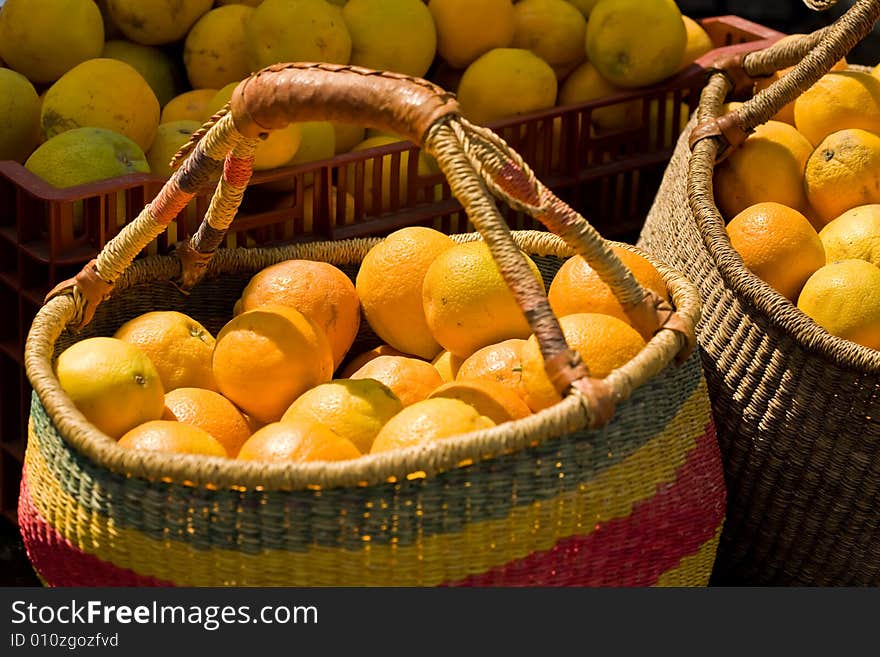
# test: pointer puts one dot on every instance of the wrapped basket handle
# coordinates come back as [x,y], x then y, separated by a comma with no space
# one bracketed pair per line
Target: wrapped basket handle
[811,56]
[477,163]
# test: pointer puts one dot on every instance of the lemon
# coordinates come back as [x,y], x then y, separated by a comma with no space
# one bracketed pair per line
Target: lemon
[840,100]
[467,29]
[843,297]
[634,43]
[506,82]
[698,42]
[103,93]
[43,39]
[427,421]
[85,155]
[347,136]
[584,84]
[20,109]
[552,29]
[391,35]
[297,31]
[188,105]
[112,383]
[853,235]
[583,6]
[155,65]
[169,139]
[157,21]
[214,50]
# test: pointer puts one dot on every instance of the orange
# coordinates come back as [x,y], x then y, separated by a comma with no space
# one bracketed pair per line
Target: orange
[320,291]
[363,358]
[427,421]
[843,173]
[466,29]
[604,343]
[389,284]
[844,298]
[769,166]
[499,363]
[839,100]
[353,408]
[410,379]
[267,357]
[179,346]
[468,304]
[447,365]
[210,411]
[493,400]
[778,245]
[297,441]
[112,383]
[173,438]
[577,288]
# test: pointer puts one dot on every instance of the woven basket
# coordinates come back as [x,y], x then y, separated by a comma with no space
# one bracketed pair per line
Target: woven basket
[618,484]
[796,408]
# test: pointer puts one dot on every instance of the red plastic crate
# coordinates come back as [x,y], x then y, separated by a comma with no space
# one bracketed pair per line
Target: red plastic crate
[48,234]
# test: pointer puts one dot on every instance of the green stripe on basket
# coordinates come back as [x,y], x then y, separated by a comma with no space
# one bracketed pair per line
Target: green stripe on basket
[253,520]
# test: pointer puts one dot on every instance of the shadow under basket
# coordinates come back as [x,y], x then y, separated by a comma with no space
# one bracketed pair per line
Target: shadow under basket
[533,502]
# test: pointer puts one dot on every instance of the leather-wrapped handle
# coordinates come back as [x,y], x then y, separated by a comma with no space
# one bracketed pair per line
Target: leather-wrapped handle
[290,93]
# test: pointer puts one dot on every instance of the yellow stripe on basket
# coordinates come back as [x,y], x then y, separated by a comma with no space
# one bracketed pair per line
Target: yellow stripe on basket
[435,559]
[691,571]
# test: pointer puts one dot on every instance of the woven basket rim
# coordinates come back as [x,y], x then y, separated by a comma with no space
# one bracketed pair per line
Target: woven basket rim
[778,310]
[571,414]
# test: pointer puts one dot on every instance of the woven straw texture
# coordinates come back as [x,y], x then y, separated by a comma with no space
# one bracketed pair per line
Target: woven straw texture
[638,502]
[796,409]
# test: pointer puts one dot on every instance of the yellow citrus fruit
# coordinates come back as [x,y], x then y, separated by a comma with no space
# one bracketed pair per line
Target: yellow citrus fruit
[666,131]
[843,297]
[84,155]
[211,412]
[157,67]
[214,52]
[318,142]
[353,408]
[364,357]
[577,288]
[347,136]
[267,357]
[158,21]
[320,291]
[634,43]
[583,6]
[249,3]
[499,363]
[698,42]
[467,29]
[179,347]
[277,149]
[839,100]
[552,29]
[843,173]
[584,84]
[410,379]
[603,342]
[506,82]
[493,400]
[769,166]
[467,303]
[447,365]
[190,105]
[172,437]
[112,383]
[43,39]
[778,245]
[427,421]
[389,284]
[20,109]
[391,35]
[102,93]
[297,441]
[853,235]
[296,31]
[169,139]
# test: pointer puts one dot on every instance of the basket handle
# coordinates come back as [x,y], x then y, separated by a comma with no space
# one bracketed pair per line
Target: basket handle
[811,56]
[474,160]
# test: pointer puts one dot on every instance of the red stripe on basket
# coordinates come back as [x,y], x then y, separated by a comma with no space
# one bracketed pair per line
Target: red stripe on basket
[632,551]
[237,171]
[59,562]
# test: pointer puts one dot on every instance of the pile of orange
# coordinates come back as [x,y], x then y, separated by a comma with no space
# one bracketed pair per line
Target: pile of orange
[280,382]
[802,201]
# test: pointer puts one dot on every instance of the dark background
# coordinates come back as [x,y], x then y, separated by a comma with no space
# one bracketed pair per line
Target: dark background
[789,16]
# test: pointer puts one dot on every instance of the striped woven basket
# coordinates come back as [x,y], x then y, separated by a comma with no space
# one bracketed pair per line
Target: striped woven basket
[796,408]
[619,484]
